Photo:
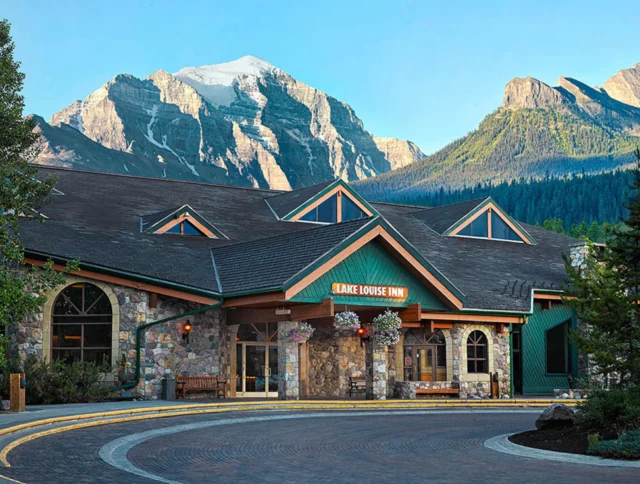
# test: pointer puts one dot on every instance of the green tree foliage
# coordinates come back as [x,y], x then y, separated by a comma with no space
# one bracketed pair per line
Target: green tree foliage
[576,201]
[607,298]
[510,144]
[21,195]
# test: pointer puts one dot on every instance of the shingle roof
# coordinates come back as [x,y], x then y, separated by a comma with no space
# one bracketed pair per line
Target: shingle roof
[153,218]
[442,218]
[270,262]
[98,221]
[283,203]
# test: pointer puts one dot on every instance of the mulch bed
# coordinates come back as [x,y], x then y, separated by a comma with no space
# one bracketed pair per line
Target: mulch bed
[558,439]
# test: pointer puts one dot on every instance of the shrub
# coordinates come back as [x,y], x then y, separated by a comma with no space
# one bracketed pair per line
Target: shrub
[610,411]
[627,446]
[58,382]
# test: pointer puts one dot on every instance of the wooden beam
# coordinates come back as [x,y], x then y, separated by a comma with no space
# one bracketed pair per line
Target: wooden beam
[546,304]
[254,300]
[153,300]
[549,297]
[437,325]
[121,281]
[412,313]
[298,313]
[480,318]
[411,325]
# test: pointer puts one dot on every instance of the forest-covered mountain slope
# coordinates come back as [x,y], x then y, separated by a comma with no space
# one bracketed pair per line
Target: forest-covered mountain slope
[539,130]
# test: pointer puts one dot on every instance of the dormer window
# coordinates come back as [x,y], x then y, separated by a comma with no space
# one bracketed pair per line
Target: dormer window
[491,224]
[184,228]
[180,221]
[327,203]
[326,212]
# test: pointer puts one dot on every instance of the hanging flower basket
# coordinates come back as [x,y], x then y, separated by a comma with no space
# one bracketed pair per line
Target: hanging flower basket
[386,328]
[301,334]
[346,320]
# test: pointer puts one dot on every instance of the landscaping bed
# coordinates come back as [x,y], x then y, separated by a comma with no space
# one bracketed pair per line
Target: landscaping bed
[558,439]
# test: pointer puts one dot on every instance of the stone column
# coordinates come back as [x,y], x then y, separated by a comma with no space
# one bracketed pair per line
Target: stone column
[376,363]
[288,363]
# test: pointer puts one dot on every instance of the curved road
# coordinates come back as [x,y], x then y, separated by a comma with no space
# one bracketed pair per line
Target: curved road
[301,447]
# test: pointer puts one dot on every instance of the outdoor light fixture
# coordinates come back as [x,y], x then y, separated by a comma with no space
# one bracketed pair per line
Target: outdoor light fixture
[364,336]
[187,331]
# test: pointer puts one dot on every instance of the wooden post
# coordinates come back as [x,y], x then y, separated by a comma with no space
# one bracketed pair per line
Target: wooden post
[16,393]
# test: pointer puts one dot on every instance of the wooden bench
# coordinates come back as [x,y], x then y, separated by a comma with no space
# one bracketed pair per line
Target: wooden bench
[438,391]
[186,384]
[357,384]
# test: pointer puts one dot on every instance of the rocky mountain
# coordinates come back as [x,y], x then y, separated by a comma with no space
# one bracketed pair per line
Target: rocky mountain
[539,130]
[244,123]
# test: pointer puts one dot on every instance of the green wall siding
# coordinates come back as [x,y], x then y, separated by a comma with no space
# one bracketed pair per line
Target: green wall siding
[371,264]
[535,380]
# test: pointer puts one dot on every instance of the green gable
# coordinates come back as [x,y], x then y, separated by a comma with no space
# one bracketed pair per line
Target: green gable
[371,264]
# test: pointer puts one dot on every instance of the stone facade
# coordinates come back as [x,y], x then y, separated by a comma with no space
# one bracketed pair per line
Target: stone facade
[377,368]
[334,357]
[288,363]
[164,352]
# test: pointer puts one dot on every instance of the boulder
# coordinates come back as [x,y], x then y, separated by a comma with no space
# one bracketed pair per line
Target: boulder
[555,415]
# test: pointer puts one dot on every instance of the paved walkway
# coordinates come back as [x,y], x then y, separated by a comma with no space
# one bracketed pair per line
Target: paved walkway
[354,446]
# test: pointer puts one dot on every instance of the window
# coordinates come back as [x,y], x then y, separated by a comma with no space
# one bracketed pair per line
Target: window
[558,351]
[497,229]
[81,326]
[478,228]
[184,228]
[500,229]
[425,356]
[326,212]
[350,211]
[477,357]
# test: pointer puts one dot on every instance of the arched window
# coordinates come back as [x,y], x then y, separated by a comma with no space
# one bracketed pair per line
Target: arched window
[425,356]
[477,355]
[81,325]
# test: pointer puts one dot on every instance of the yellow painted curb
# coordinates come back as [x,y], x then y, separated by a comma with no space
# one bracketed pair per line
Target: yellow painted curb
[199,409]
[363,403]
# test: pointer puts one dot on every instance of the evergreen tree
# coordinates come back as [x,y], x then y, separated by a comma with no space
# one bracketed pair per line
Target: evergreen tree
[21,195]
[607,298]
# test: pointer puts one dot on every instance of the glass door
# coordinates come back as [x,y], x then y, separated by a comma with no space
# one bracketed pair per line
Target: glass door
[257,367]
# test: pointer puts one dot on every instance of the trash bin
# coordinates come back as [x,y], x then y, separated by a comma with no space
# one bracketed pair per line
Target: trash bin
[168,388]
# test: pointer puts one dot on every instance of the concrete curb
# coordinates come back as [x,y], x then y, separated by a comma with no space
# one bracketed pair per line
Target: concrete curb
[501,443]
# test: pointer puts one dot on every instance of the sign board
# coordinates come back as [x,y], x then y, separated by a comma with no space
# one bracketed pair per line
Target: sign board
[367,290]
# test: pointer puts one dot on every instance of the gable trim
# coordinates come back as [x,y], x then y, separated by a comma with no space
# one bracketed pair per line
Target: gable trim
[484,207]
[180,215]
[311,274]
[339,186]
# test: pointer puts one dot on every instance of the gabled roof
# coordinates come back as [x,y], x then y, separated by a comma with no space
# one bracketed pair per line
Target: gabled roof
[449,219]
[489,202]
[289,205]
[442,218]
[155,222]
[98,221]
[267,263]
[286,202]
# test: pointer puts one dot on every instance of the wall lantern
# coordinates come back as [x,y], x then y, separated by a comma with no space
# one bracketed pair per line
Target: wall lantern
[187,331]
[364,335]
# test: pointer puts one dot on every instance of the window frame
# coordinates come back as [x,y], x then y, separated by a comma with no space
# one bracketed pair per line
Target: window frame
[475,359]
[84,319]
[427,343]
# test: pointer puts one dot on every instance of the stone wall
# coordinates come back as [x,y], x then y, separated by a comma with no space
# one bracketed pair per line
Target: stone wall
[334,356]
[288,362]
[165,352]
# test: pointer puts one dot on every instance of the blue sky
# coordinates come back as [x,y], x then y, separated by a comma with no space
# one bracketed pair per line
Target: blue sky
[421,70]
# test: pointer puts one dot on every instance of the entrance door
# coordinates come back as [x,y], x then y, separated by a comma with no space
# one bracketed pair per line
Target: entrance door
[257,367]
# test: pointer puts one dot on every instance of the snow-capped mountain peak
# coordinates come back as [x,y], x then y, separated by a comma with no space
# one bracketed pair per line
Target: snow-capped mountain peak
[215,81]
